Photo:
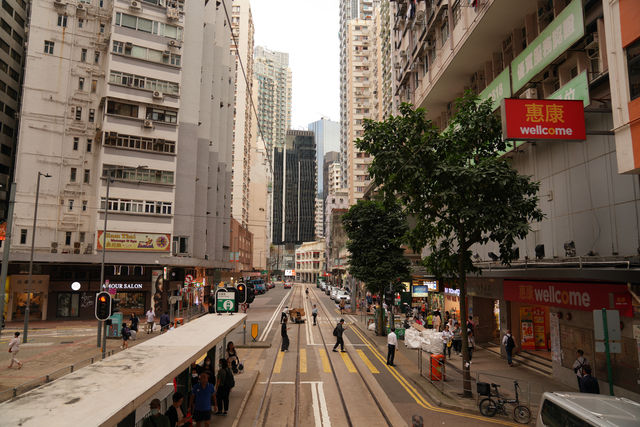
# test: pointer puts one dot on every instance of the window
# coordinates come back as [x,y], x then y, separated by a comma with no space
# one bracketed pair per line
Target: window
[81,83]
[556,416]
[181,244]
[633,64]
[70,204]
[23,236]
[166,116]
[83,55]
[81,237]
[14,74]
[76,141]
[4,46]
[72,176]
[148,26]
[6,6]
[149,207]
[161,56]
[142,82]
[92,115]
[67,238]
[80,22]
[139,143]
[89,145]
[84,209]
[87,176]
[78,113]
[5,26]
[125,173]
[94,86]
[68,304]
[101,28]
[16,56]
[48,47]
[121,109]
[96,57]
[62,20]
[444,32]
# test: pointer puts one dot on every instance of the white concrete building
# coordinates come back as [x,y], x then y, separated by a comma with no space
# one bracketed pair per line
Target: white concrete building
[260,207]
[319,215]
[310,261]
[335,178]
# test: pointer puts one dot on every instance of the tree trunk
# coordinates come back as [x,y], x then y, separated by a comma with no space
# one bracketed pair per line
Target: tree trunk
[381,317]
[466,374]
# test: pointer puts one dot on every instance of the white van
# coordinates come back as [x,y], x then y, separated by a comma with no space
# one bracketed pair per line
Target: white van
[560,409]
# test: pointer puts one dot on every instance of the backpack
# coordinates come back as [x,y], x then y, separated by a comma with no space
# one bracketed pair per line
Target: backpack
[335,331]
[229,381]
[510,343]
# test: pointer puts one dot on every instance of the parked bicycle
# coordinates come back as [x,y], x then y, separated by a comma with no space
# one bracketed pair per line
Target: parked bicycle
[495,403]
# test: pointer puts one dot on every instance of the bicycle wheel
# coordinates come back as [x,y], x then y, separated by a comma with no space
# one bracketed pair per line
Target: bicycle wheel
[522,414]
[487,407]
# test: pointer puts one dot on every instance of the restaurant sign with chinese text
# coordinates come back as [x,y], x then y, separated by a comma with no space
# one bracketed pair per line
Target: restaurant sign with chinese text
[560,35]
[542,119]
[135,242]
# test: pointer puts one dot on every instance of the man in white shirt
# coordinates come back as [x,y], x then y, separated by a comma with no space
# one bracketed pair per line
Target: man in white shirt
[14,348]
[150,319]
[392,342]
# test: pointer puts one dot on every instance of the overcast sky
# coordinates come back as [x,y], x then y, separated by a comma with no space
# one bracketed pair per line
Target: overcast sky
[308,31]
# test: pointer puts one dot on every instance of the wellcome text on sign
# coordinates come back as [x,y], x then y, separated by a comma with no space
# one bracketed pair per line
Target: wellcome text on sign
[135,242]
[543,119]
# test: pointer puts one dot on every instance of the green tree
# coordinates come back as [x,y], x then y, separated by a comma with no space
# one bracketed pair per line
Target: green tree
[457,189]
[376,231]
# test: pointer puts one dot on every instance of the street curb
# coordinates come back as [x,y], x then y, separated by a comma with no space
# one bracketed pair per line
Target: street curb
[245,400]
[255,345]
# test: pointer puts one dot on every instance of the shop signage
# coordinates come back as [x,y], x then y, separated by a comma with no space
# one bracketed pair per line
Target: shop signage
[419,291]
[289,273]
[560,34]
[135,242]
[575,296]
[432,285]
[576,89]
[451,291]
[498,89]
[125,285]
[543,119]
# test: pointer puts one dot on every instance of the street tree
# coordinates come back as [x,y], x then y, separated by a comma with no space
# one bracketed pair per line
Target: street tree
[457,190]
[376,231]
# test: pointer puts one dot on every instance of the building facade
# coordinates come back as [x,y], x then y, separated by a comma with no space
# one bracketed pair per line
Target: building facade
[242,48]
[104,129]
[260,207]
[273,77]
[310,258]
[294,189]
[545,50]
[318,229]
[241,246]
[327,134]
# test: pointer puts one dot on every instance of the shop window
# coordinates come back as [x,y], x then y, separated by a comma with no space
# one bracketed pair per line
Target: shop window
[68,305]
[633,64]
[131,302]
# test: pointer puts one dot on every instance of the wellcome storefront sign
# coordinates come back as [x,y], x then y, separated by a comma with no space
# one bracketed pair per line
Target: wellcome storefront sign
[543,119]
[575,296]
[135,242]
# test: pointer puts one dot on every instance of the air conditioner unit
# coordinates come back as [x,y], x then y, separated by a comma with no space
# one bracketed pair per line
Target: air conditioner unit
[157,94]
[80,6]
[419,16]
[128,45]
[550,74]
[166,53]
[172,13]
[59,3]
[54,247]
[76,251]
[531,93]
[148,124]
[174,43]
[76,245]
[88,249]
[135,5]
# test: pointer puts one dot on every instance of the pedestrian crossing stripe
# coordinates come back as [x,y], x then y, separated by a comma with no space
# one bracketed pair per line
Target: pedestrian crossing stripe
[278,366]
[347,361]
[303,360]
[326,366]
[367,362]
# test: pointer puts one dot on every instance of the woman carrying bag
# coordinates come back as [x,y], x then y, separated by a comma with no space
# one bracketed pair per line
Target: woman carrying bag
[232,358]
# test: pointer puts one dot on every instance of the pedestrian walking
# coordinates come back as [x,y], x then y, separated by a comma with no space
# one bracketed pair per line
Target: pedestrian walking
[589,384]
[430,321]
[134,320]
[392,343]
[14,348]
[224,384]
[232,358]
[509,344]
[285,336]
[343,302]
[457,338]
[314,313]
[125,332]
[285,313]
[151,318]
[437,321]
[470,324]
[471,341]
[447,341]
[156,418]
[337,332]
[579,363]
[306,291]
[203,393]
[164,322]
[174,412]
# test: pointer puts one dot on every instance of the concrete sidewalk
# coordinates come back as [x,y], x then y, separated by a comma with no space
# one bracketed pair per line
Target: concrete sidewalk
[486,366]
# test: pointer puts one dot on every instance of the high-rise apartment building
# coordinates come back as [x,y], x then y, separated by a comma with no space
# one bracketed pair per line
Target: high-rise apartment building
[555,50]
[382,98]
[260,207]
[327,134]
[242,48]
[332,177]
[14,14]
[319,218]
[105,128]
[273,77]
[294,189]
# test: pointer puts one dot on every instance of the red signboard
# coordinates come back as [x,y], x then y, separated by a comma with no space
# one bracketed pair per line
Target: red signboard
[574,296]
[543,119]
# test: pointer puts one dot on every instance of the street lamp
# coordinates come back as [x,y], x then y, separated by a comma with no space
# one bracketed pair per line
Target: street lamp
[33,243]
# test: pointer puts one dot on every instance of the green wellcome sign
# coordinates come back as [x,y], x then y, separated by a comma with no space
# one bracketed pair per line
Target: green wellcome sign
[575,89]
[564,31]
[498,89]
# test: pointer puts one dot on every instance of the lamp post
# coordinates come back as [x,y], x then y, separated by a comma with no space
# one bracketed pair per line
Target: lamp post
[33,243]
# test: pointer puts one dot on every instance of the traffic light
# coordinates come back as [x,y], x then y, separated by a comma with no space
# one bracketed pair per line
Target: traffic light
[241,293]
[103,306]
[251,295]
[115,305]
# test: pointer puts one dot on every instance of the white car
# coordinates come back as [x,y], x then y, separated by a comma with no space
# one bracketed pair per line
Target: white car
[343,295]
[334,292]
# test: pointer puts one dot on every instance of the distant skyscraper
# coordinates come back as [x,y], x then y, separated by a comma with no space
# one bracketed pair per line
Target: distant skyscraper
[327,134]
[294,189]
[273,75]
[332,173]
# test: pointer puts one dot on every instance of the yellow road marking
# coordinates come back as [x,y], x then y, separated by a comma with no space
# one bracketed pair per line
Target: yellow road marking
[348,363]
[326,366]
[367,362]
[278,366]
[420,400]
[303,360]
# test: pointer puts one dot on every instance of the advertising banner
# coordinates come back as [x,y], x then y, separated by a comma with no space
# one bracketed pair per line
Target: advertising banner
[539,327]
[527,340]
[574,296]
[498,89]
[543,119]
[135,242]
[553,41]
[419,291]
[576,89]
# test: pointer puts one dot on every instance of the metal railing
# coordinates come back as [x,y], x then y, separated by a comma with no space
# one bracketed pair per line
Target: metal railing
[435,374]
